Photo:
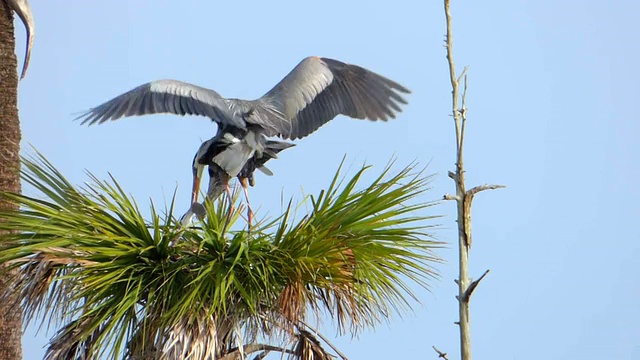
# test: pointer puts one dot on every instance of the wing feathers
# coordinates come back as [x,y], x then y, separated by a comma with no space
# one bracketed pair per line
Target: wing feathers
[319,89]
[162,97]
[314,92]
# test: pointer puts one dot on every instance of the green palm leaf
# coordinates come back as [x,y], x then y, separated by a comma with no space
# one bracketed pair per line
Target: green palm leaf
[121,285]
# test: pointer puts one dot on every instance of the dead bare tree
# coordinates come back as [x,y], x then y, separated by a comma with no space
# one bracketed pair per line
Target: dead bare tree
[462,197]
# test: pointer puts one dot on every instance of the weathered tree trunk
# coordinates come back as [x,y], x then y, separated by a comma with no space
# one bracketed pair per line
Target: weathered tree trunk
[463,197]
[10,315]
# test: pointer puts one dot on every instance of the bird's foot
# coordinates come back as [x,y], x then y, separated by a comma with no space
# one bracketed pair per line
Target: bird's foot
[249,218]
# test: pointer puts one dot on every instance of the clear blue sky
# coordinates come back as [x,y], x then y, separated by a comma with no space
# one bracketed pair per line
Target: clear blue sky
[552,114]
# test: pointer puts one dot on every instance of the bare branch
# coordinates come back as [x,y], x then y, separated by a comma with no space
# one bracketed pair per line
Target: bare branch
[251,348]
[464,93]
[343,356]
[452,76]
[473,286]
[463,75]
[441,354]
[468,199]
[466,219]
[449,47]
[463,111]
[477,189]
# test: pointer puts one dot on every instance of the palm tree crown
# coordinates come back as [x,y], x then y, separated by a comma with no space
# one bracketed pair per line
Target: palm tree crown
[128,287]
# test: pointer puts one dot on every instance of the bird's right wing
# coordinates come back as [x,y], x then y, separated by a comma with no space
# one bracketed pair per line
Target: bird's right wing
[319,89]
[165,97]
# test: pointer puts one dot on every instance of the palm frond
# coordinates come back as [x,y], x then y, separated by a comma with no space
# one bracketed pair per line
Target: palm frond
[124,286]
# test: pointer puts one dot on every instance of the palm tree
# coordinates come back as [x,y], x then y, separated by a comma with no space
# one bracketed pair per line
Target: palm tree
[10,136]
[10,316]
[125,287]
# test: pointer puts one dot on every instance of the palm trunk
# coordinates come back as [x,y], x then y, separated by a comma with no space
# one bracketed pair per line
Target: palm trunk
[10,315]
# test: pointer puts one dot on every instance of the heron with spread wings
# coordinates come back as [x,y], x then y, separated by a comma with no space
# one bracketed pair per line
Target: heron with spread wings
[313,93]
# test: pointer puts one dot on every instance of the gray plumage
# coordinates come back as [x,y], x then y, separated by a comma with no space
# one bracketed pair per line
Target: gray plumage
[313,93]
[237,153]
[228,155]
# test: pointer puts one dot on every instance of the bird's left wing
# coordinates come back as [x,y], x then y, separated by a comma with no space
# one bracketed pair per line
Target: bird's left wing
[165,97]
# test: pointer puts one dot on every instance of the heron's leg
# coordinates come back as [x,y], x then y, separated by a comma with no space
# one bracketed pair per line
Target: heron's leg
[227,189]
[231,208]
[243,182]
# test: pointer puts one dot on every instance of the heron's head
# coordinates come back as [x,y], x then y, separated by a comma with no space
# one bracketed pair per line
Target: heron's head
[198,165]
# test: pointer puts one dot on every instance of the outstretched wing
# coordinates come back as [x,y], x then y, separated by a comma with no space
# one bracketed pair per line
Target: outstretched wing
[165,97]
[319,89]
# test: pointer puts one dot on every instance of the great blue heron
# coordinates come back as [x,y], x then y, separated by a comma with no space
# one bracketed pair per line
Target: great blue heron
[232,154]
[314,92]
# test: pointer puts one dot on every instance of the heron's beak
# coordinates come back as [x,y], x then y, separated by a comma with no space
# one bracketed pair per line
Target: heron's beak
[197,176]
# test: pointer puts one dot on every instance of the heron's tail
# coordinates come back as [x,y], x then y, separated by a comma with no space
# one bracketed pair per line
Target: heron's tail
[271,150]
